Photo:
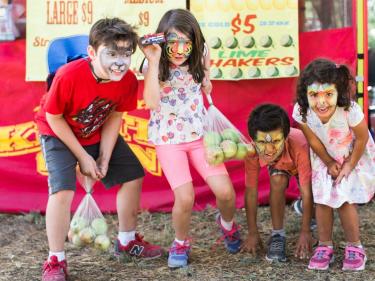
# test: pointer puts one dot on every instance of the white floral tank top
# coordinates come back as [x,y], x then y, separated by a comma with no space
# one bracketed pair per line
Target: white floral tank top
[181,114]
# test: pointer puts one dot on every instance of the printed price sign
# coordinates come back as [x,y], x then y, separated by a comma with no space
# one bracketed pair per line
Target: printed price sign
[250,39]
[48,20]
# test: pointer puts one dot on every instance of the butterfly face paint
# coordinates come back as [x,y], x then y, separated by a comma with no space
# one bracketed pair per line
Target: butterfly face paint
[270,145]
[178,48]
[114,61]
[322,99]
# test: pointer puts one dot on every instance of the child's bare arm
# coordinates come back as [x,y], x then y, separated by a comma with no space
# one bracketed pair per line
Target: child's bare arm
[109,134]
[151,89]
[62,130]
[361,138]
[317,146]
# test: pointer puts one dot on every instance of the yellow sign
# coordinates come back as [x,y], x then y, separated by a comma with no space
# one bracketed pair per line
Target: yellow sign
[21,139]
[250,39]
[47,20]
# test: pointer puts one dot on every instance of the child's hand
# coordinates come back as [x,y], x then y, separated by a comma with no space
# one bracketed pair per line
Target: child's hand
[304,245]
[152,53]
[252,243]
[102,166]
[334,169]
[206,86]
[346,169]
[88,167]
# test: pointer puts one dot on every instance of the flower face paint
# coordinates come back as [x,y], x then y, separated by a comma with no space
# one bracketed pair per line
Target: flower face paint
[112,61]
[270,145]
[178,47]
[322,99]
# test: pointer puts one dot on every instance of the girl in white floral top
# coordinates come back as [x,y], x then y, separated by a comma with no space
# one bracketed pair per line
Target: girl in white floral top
[342,157]
[175,73]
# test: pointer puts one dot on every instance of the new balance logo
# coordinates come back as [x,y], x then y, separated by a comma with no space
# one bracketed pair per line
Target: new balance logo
[136,250]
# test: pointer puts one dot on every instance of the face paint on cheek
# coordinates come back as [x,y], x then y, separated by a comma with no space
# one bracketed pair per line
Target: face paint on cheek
[115,63]
[270,146]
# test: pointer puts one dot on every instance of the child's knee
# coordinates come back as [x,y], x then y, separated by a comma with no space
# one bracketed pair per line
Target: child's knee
[226,194]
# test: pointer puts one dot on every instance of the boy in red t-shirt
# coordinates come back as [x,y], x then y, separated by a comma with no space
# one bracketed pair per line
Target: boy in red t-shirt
[285,152]
[79,121]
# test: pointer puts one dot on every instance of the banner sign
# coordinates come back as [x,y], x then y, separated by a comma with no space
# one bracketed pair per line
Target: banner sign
[250,39]
[47,20]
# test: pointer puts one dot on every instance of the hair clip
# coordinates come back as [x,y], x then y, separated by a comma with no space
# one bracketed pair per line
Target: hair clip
[337,65]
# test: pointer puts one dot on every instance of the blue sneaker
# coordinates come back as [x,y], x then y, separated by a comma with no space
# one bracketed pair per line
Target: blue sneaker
[179,254]
[298,209]
[232,238]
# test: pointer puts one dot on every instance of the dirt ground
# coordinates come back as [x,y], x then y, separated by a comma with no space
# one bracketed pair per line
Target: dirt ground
[23,248]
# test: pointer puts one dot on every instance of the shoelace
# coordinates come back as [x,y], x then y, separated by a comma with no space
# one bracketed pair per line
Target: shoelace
[51,265]
[232,234]
[139,238]
[180,249]
[320,254]
[351,255]
[277,246]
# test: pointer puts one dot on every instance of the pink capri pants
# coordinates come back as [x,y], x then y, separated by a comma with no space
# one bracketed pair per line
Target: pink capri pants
[174,160]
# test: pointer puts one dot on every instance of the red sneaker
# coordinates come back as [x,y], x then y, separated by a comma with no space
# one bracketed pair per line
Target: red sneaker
[53,270]
[139,248]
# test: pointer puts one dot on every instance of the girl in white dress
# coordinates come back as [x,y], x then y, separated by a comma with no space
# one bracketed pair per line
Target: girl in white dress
[342,157]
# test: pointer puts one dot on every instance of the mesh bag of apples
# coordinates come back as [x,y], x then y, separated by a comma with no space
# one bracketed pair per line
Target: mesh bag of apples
[88,225]
[222,140]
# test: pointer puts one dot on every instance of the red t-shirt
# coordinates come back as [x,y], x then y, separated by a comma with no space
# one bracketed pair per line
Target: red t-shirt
[84,103]
[295,159]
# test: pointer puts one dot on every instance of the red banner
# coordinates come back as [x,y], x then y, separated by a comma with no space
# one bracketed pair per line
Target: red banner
[23,181]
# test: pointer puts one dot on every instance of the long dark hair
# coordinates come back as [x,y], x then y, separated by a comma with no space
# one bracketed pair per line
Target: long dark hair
[184,22]
[325,71]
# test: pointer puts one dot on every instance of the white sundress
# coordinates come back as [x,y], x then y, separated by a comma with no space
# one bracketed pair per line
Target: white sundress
[338,139]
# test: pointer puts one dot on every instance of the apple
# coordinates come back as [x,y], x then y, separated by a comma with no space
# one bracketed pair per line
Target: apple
[99,226]
[212,139]
[78,223]
[230,134]
[87,235]
[214,155]
[241,151]
[76,240]
[102,242]
[229,148]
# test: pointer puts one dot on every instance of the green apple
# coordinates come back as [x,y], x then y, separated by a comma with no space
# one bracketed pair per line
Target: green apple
[99,226]
[241,151]
[76,240]
[78,223]
[229,148]
[87,235]
[214,155]
[230,134]
[102,242]
[212,139]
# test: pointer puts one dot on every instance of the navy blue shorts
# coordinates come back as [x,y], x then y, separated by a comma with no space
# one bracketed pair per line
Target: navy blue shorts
[61,164]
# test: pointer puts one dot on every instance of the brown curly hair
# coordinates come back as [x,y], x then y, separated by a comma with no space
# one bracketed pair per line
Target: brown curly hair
[324,71]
